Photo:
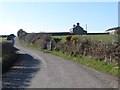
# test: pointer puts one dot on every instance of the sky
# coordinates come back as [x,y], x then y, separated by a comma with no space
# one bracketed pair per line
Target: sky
[57,16]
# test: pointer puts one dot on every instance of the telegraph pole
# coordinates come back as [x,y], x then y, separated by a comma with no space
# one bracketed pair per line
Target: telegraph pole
[86,27]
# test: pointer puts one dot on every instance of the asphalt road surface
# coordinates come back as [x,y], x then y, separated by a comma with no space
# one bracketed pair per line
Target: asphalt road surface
[36,69]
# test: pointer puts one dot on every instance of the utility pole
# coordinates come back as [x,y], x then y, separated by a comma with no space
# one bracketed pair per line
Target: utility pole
[86,27]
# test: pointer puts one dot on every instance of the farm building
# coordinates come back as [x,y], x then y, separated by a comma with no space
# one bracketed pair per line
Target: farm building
[78,30]
[113,30]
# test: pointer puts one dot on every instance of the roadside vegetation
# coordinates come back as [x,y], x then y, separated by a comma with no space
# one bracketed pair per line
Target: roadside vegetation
[8,54]
[84,60]
[91,62]
[97,53]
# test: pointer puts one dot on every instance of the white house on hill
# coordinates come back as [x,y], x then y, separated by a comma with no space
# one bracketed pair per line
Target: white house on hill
[113,30]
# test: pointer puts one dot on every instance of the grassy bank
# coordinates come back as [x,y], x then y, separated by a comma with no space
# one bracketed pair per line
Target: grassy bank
[85,60]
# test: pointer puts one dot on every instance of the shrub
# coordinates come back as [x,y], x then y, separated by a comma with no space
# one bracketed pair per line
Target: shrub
[29,38]
[21,34]
[56,40]
[10,37]
[109,51]
[38,39]
[74,39]
[41,40]
[68,39]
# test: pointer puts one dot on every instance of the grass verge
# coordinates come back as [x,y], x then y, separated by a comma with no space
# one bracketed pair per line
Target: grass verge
[85,60]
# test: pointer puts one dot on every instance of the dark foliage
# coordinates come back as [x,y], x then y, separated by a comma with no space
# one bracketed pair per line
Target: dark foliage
[9,56]
[38,39]
[21,34]
[10,37]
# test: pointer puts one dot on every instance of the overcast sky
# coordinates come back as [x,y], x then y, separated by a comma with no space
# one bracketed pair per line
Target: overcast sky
[57,16]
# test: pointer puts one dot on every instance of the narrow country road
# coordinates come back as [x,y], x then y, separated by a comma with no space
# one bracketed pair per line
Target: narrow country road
[36,69]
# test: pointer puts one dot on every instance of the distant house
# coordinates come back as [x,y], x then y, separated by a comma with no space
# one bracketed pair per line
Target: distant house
[113,30]
[78,30]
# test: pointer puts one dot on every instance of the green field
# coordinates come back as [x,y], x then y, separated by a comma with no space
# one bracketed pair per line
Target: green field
[96,37]
[3,39]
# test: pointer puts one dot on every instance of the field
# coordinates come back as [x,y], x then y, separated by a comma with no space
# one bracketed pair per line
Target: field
[96,37]
[2,39]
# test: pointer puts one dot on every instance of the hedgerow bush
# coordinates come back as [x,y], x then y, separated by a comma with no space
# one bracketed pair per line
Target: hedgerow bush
[108,51]
[57,44]
[38,39]
[29,38]
[22,34]
[101,50]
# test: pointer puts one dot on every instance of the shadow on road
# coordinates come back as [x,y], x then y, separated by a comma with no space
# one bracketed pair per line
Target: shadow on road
[20,75]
